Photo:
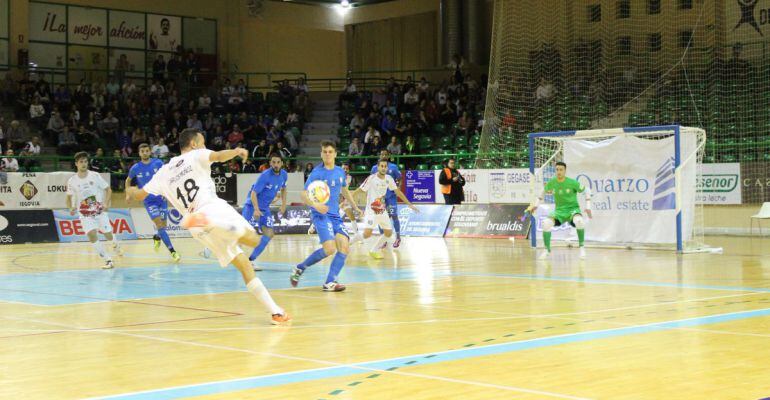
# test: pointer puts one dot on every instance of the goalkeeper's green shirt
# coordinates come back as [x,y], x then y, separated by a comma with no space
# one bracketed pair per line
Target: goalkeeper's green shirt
[565,193]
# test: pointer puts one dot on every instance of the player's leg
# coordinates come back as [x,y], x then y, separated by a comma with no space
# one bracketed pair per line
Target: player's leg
[393,214]
[384,222]
[548,225]
[342,245]
[353,225]
[579,223]
[266,225]
[105,227]
[225,247]
[159,213]
[91,226]
[325,231]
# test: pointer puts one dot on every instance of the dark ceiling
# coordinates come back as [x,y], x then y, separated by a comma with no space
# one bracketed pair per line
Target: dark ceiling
[326,3]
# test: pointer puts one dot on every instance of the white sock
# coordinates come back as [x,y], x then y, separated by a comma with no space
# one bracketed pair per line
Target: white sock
[354,227]
[115,241]
[259,291]
[382,240]
[100,249]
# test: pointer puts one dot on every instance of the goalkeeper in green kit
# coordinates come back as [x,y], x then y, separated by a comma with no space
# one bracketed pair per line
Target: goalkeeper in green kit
[567,211]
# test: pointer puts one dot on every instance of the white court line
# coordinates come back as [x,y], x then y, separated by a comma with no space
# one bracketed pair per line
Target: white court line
[331,364]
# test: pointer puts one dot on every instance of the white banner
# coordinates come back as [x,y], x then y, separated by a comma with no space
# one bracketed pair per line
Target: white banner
[633,185]
[720,184]
[145,228]
[165,32]
[294,186]
[25,190]
[485,186]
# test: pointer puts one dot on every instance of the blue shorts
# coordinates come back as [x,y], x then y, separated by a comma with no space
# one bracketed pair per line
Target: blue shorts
[265,221]
[157,207]
[328,226]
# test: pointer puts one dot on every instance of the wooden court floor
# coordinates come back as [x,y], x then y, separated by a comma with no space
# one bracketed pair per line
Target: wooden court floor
[455,318]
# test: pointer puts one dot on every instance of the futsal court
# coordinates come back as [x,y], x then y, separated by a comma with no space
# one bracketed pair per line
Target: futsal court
[438,318]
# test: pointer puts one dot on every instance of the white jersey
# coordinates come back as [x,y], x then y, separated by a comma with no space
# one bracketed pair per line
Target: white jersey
[376,188]
[87,193]
[185,181]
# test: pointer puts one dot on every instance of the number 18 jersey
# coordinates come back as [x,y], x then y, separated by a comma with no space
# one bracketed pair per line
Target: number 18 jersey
[185,181]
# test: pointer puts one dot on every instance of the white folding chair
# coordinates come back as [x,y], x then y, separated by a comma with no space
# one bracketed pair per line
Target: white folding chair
[764,213]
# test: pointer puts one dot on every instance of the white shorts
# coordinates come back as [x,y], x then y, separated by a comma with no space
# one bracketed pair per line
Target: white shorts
[372,220]
[99,222]
[222,237]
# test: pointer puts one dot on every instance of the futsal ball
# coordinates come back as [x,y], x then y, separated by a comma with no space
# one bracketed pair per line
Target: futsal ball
[378,206]
[318,191]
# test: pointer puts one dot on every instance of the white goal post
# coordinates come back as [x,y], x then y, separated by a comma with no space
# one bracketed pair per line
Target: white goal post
[643,182]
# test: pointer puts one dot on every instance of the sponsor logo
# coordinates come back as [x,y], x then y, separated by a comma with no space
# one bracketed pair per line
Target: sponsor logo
[175,217]
[664,195]
[57,188]
[715,183]
[74,227]
[6,189]
[3,223]
[28,190]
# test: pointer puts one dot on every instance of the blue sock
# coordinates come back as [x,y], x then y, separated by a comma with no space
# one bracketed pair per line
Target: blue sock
[317,256]
[260,248]
[166,240]
[337,263]
[396,224]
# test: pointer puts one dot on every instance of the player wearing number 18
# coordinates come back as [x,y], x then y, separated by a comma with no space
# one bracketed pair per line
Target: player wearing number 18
[567,209]
[186,182]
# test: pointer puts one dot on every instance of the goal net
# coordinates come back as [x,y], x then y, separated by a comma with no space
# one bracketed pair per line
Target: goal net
[643,182]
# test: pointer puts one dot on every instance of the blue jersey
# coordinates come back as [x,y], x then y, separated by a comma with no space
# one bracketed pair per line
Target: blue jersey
[336,179]
[267,187]
[142,173]
[394,173]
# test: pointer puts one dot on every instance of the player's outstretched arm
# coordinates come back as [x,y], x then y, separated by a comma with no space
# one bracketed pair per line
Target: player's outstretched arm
[536,202]
[107,198]
[349,197]
[227,155]
[128,185]
[136,193]
[403,198]
[283,200]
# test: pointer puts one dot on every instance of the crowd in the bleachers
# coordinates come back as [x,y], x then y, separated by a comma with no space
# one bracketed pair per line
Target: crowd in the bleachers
[411,117]
[113,116]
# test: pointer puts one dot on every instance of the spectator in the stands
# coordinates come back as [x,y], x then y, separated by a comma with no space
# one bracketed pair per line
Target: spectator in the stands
[67,144]
[235,138]
[97,163]
[411,98]
[85,139]
[371,133]
[357,120]
[110,125]
[15,135]
[308,170]
[388,125]
[465,123]
[194,123]
[30,153]
[124,143]
[348,92]
[355,148]
[37,113]
[394,147]
[55,126]
[544,93]
[249,167]
[260,150]
[301,86]
[159,68]
[273,135]
[291,141]
[375,146]
[117,169]
[9,163]
[282,150]
[138,137]
[204,103]
[160,150]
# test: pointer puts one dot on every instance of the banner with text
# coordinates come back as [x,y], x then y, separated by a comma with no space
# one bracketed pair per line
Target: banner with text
[720,184]
[420,186]
[25,190]
[484,186]
[487,221]
[70,229]
[430,221]
[145,228]
[634,187]
[27,226]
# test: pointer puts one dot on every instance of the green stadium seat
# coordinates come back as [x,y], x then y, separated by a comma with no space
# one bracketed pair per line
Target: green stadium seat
[437,167]
[422,167]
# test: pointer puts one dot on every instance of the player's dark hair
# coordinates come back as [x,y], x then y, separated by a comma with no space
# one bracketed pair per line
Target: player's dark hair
[328,143]
[144,146]
[562,164]
[80,154]
[186,137]
[275,155]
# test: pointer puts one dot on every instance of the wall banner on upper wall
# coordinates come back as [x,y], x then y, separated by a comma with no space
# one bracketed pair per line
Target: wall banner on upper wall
[165,32]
